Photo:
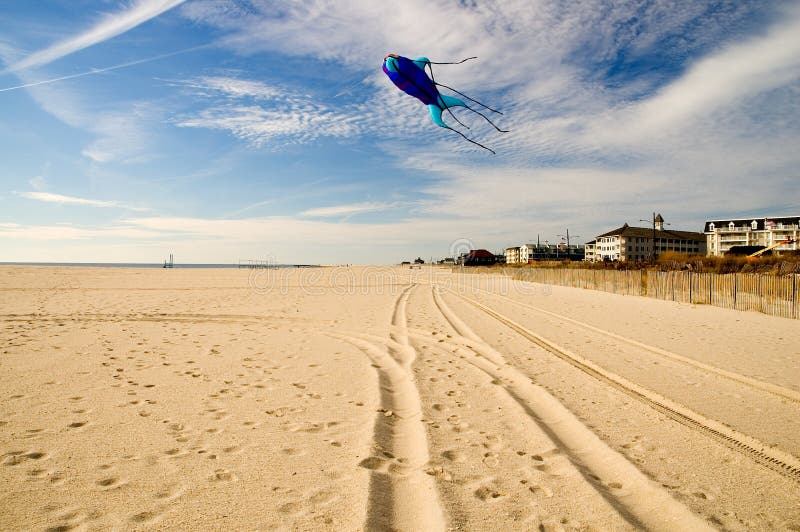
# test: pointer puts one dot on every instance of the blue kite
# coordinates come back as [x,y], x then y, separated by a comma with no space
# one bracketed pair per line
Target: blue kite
[410,76]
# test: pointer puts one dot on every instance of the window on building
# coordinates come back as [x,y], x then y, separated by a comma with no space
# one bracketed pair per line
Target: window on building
[754,224]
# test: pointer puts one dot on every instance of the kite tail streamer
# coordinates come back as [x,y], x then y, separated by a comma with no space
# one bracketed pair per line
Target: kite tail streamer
[468,98]
[487,119]
[447,102]
[470,140]
[454,63]
[444,103]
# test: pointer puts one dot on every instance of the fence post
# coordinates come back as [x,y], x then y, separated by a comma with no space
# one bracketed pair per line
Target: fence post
[672,284]
[794,295]
[760,295]
[710,288]
[690,288]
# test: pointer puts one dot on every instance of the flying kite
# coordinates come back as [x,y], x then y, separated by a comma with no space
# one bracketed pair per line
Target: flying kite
[410,76]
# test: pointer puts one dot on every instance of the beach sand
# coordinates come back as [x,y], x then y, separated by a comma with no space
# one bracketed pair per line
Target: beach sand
[386,398]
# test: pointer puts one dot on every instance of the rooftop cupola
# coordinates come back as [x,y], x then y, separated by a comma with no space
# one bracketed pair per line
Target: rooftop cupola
[659,222]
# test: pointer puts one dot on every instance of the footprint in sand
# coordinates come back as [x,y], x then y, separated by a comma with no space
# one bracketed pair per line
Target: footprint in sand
[175,452]
[455,455]
[291,508]
[233,449]
[439,472]
[110,483]
[146,517]
[494,442]
[223,475]
[39,472]
[220,415]
[322,498]
[17,457]
[169,493]
[70,518]
[489,493]
[540,490]
[375,463]
[491,459]
[290,451]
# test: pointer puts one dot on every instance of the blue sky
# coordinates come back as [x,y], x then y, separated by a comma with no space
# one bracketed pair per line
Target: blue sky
[225,130]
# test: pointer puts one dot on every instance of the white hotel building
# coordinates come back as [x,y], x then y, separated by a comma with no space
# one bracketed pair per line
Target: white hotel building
[722,235]
[628,243]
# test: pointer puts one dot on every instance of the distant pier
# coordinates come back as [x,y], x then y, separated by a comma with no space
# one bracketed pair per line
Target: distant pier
[257,264]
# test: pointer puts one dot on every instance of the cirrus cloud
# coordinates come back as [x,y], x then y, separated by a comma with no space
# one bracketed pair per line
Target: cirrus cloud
[49,197]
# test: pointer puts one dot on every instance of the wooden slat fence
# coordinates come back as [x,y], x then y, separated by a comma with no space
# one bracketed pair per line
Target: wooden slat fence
[617,282]
[769,294]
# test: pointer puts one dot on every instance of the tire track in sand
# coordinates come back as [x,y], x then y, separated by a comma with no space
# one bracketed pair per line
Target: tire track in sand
[780,391]
[779,461]
[401,495]
[641,501]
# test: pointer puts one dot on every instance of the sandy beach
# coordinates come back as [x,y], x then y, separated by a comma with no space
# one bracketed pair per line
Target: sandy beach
[386,399]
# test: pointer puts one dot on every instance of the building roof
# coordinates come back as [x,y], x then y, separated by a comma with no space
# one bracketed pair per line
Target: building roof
[761,223]
[480,253]
[511,249]
[647,232]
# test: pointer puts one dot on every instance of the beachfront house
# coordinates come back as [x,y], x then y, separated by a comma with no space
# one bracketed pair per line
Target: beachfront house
[479,257]
[527,252]
[722,235]
[512,255]
[628,243]
[539,252]
[589,251]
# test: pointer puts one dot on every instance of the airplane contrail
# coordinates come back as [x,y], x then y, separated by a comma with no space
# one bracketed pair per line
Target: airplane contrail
[108,27]
[106,69]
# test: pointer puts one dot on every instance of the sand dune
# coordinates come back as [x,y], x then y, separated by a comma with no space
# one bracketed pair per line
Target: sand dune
[386,398]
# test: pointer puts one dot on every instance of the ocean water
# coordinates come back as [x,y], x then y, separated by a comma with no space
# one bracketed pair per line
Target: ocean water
[135,265]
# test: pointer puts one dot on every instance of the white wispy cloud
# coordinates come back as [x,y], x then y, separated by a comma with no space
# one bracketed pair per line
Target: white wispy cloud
[534,52]
[38,182]
[108,27]
[60,232]
[292,235]
[233,87]
[122,135]
[258,126]
[123,132]
[287,115]
[349,210]
[720,80]
[50,197]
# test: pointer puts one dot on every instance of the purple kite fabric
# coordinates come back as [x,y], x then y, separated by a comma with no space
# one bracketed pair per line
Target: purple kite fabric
[410,76]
